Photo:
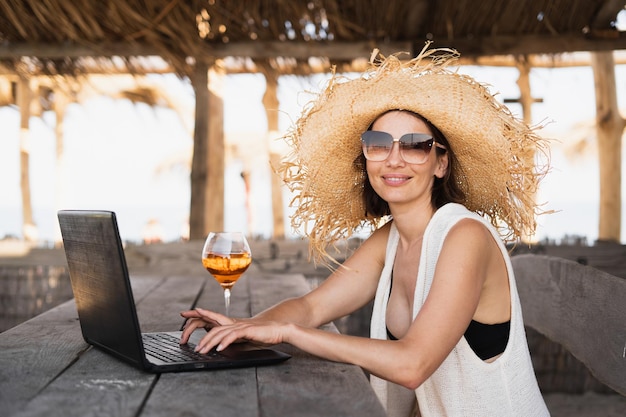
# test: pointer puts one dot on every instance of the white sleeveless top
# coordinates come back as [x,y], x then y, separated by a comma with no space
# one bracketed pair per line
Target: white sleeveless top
[464,385]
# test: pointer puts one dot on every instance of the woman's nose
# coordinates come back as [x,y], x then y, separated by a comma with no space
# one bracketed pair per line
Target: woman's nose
[395,158]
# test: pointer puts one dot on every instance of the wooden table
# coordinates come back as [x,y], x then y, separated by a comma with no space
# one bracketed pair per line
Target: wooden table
[46,368]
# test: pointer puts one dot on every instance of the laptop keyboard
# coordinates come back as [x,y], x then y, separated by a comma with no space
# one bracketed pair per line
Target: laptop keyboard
[168,348]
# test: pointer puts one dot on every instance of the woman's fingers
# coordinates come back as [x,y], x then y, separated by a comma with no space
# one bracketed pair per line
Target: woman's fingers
[190,326]
[221,337]
[200,318]
[214,318]
[223,331]
[214,337]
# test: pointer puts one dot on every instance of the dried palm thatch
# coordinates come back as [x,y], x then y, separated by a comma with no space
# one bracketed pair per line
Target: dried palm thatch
[54,36]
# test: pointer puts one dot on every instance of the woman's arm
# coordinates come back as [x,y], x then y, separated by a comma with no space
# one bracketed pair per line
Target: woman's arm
[348,288]
[454,296]
[451,303]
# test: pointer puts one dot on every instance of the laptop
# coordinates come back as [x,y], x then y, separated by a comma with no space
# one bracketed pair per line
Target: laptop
[106,307]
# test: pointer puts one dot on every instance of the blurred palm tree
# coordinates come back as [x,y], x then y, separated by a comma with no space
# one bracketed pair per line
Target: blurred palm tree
[51,93]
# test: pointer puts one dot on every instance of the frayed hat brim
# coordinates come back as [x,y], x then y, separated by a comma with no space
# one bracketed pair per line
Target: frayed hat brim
[496,152]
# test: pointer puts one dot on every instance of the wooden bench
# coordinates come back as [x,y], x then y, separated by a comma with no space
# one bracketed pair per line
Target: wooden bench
[579,307]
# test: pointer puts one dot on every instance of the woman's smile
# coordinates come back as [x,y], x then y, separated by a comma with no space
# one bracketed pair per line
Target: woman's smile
[395,179]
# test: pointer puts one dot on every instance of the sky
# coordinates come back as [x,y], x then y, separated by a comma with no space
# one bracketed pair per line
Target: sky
[130,158]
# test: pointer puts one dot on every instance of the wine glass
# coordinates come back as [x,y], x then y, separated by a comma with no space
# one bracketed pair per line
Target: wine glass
[226,255]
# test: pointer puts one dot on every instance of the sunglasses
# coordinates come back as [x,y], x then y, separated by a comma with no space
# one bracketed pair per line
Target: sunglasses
[414,147]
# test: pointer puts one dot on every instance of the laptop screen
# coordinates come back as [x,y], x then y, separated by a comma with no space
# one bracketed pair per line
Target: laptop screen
[100,282]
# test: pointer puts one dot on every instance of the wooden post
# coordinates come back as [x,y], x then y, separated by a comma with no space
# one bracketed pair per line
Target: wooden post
[271,104]
[199,161]
[24,95]
[6,91]
[207,165]
[277,198]
[609,127]
[250,217]
[60,106]
[523,82]
[526,100]
[215,182]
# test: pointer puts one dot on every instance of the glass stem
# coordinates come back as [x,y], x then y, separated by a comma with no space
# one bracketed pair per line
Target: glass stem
[227,301]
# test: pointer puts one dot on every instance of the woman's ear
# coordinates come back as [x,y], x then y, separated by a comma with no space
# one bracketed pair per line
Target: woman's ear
[442,165]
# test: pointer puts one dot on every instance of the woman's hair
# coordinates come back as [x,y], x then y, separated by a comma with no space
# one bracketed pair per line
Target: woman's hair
[445,190]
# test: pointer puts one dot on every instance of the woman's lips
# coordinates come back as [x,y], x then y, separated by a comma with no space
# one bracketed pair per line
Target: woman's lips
[393,179]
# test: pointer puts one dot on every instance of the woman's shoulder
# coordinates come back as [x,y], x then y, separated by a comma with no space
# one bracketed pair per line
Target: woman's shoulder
[378,241]
[455,220]
[454,210]
[470,228]
[452,214]
[466,231]
[381,234]
[373,249]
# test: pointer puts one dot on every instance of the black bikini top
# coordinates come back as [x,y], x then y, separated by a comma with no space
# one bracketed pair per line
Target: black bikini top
[486,340]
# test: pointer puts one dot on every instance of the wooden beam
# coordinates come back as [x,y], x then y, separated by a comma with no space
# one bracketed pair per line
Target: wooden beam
[533,44]
[340,51]
[69,50]
[336,50]
[563,60]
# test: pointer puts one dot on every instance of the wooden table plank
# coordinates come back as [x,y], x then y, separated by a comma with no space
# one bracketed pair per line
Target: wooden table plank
[212,297]
[234,391]
[223,393]
[160,312]
[269,289]
[35,352]
[38,351]
[96,385]
[60,374]
[306,385]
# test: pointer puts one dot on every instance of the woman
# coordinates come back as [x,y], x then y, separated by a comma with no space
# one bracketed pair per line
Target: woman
[443,162]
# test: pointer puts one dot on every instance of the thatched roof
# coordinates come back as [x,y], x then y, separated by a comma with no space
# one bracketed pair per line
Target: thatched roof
[60,37]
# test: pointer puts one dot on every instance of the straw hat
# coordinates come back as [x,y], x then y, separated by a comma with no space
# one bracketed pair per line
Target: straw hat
[495,151]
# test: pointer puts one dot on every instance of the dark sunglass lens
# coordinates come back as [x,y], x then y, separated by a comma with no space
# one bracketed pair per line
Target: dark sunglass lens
[375,138]
[415,147]
[376,145]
